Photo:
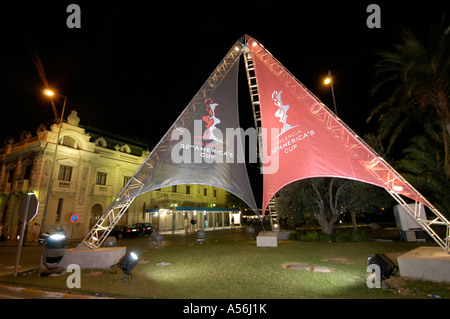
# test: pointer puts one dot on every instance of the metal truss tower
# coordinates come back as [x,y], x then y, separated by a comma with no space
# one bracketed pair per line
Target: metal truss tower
[120,204]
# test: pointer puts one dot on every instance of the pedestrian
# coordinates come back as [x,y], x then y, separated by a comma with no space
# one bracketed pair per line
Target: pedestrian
[193,222]
[232,222]
[35,232]
[186,224]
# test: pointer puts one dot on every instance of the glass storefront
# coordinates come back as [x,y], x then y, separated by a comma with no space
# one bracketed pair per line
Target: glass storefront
[191,219]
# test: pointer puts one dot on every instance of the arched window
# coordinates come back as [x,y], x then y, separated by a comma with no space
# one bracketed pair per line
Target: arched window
[68,141]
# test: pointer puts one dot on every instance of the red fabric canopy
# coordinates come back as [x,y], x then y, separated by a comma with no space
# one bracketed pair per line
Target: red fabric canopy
[309,141]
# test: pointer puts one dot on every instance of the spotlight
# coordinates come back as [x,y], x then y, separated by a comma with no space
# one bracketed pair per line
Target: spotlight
[53,253]
[156,239]
[387,266]
[250,232]
[110,241]
[127,263]
[201,236]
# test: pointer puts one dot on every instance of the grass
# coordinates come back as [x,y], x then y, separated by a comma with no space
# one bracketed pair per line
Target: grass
[240,270]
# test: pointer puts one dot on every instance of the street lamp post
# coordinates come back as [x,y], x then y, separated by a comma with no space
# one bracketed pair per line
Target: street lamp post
[49,187]
[329,80]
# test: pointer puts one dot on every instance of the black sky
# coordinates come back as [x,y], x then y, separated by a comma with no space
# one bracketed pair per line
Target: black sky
[134,66]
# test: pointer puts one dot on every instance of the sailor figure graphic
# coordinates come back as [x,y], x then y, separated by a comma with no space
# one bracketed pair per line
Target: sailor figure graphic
[210,120]
[281,111]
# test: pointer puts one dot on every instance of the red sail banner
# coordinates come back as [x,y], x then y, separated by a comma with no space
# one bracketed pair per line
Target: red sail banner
[302,138]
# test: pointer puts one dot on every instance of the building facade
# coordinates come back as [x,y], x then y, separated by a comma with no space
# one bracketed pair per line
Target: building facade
[89,167]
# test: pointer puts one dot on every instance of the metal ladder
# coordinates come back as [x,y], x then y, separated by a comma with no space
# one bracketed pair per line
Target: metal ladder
[274,221]
[254,97]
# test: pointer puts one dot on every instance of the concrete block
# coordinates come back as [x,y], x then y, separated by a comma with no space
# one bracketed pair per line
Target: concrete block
[266,241]
[426,263]
[281,234]
[101,258]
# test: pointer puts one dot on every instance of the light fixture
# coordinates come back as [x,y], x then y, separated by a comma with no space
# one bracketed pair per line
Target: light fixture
[53,253]
[201,236]
[387,266]
[127,263]
[397,188]
[156,239]
[329,80]
[49,92]
[56,241]
[57,236]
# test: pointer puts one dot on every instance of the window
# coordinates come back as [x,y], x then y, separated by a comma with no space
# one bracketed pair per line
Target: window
[215,193]
[68,141]
[101,178]
[10,175]
[174,188]
[59,209]
[65,173]
[126,179]
[205,192]
[188,189]
[27,173]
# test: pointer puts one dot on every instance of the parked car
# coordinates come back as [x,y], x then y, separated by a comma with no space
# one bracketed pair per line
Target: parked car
[144,228]
[124,231]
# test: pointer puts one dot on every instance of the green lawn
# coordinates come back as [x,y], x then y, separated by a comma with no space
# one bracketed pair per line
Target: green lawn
[240,270]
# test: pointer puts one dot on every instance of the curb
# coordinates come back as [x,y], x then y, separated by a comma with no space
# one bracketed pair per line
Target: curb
[46,294]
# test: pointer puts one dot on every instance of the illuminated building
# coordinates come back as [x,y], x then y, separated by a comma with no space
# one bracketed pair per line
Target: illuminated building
[91,168]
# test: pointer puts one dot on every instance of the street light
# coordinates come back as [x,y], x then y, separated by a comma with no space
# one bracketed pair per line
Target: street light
[329,81]
[50,93]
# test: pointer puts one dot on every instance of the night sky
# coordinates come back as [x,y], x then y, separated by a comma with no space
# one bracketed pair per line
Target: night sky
[132,67]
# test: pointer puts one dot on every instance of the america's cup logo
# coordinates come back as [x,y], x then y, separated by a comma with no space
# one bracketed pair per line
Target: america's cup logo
[210,120]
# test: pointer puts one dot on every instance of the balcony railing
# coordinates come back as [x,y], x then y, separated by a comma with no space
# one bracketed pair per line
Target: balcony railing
[102,190]
[64,186]
[5,188]
[21,185]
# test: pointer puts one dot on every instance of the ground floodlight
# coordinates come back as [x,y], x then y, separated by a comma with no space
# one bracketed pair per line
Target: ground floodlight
[156,239]
[110,241]
[56,241]
[128,262]
[201,236]
[53,253]
[387,266]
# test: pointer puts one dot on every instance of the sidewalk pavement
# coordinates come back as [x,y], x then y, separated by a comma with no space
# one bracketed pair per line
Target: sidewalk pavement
[10,292]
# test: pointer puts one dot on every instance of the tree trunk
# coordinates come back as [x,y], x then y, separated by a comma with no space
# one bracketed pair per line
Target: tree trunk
[321,215]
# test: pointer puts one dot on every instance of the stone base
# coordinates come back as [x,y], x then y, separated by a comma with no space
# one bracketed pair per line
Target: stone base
[101,258]
[266,241]
[427,263]
[281,234]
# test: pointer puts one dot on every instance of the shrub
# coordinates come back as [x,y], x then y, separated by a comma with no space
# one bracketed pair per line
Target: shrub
[343,236]
[360,235]
[327,237]
[293,236]
[339,236]
[313,235]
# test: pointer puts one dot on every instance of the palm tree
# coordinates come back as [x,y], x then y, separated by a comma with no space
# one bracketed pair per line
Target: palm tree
[424,166]
[419,73]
